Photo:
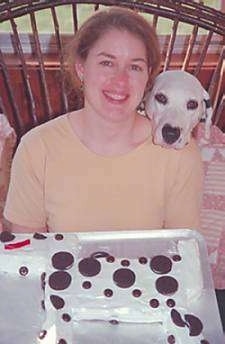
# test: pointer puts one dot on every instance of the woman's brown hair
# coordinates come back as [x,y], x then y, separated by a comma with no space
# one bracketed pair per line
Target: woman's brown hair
[113,18]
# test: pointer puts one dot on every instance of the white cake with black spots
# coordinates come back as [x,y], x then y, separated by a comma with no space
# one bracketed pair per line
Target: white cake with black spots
[129,287]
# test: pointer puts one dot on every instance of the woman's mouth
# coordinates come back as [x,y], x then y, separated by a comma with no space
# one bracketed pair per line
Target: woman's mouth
[115,97]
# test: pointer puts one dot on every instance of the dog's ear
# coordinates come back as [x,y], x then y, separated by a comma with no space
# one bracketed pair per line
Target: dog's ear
[208,113]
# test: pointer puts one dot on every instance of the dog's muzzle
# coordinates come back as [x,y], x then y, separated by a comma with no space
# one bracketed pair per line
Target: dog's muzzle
[170,134]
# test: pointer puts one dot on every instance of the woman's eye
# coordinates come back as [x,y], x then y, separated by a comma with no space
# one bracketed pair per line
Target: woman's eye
[161,98]
[106,63]
[136,68]
[192,104]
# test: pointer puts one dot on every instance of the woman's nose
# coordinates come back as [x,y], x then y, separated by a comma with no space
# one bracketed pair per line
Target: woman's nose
[121,76]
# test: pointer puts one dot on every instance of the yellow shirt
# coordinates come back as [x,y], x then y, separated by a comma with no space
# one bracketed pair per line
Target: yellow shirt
[58,182]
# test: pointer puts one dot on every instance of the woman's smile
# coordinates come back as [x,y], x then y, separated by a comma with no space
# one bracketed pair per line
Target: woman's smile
[115,97]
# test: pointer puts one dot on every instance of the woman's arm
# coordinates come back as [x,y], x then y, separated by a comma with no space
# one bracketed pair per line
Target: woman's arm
[25,203]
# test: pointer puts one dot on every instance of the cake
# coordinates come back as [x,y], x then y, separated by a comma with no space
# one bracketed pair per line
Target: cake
[146,287]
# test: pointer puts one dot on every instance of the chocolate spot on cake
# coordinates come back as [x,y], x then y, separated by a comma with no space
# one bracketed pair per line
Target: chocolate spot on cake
[59,237]
[170,303]
[171,339]
[161,264]
[177,319]
[89,267]
[86,285]
[39,236]
[59,280]
[154,303]
[194,324]
[43,304]
[143,260]
[108,292]
[176,258]
[57,301]
[110,259]
[43,282]
[62,341]
[66,317]
[6,236]
[204,341]
[62,260]
[124,278]
[42,334]
[23,270]
[166,285]
[125,262]
[136,292]
[114,322]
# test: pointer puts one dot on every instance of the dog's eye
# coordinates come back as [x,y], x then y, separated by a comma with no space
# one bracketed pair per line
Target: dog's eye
[161,98]
[192,104]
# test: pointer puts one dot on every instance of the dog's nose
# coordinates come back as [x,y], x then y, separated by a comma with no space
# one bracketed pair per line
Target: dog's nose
[170,134]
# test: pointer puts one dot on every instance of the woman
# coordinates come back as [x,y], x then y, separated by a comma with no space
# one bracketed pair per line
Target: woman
[97,168]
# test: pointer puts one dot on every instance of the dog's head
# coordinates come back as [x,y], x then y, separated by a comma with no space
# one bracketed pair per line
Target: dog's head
[176,103]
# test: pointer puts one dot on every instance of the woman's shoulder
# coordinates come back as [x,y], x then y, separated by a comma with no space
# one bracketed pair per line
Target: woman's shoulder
[174,159]
[191,150]
[51,130]
[52,126]
[186,159]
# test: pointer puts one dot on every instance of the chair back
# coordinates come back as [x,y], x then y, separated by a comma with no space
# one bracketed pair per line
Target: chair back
[32,65]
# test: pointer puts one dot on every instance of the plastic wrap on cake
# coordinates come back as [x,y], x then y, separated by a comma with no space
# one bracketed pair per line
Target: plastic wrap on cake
[107,287]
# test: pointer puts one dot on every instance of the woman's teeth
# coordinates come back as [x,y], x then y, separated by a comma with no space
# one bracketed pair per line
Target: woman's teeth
[115,96]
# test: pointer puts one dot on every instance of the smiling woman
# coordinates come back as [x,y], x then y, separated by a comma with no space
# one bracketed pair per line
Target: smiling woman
[96,168]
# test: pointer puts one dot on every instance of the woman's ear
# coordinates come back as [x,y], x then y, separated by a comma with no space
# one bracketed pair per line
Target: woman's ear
[79,68]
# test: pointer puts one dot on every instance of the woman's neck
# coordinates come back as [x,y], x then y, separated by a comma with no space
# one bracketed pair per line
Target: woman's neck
[110,138]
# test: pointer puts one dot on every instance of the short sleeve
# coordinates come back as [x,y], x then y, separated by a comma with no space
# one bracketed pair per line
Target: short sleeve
[25,204]
[184,190]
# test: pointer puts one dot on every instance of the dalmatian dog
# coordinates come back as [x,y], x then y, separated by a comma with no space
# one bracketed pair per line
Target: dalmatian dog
[176,104]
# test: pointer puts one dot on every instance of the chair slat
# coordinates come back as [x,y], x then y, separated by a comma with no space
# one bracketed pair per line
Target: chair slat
[61,59]
[220,112]
[2,106]
[41,65]
[155,18]
[190,47]
[203,53]
[19,50]
[75,20]
[217,78]
[155,21]
[10,94]
[171,45]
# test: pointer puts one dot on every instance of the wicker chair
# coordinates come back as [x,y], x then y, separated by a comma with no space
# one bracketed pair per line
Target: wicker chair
[33,84]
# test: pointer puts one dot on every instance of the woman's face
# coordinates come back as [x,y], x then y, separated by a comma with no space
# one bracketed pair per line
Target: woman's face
[115,74]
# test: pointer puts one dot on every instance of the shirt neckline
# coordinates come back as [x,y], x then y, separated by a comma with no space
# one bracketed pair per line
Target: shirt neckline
[131,152]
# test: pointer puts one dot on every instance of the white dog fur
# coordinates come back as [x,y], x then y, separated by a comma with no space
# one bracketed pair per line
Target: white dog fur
[175,105]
